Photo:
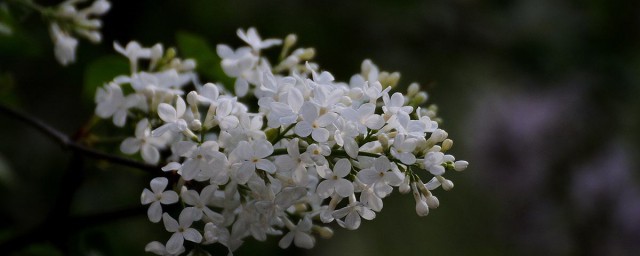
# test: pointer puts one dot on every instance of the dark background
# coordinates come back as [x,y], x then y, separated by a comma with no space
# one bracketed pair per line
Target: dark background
[540,97]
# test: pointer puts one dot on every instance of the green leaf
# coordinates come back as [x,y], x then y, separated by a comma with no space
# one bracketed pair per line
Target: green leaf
[208,62]
[102,71]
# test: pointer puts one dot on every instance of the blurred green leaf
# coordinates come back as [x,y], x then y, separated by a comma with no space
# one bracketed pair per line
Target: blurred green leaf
[208,62]
[7,89]
[42,250]
[102,71]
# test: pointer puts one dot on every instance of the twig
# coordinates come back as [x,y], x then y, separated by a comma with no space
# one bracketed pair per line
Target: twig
[69,144]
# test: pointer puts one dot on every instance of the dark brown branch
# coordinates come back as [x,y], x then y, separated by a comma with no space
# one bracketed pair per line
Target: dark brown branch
[69,144]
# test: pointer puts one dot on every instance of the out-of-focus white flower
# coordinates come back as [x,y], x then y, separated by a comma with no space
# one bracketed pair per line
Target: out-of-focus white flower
[252,38]
[64,45]
[299,235]
[112,102]
[144,142]
[66,20]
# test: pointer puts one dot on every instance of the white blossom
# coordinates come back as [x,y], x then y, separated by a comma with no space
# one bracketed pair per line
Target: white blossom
[182,230]
[312,142]
[157,196]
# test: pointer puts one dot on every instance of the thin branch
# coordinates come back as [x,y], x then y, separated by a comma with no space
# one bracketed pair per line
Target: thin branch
[69,144]
[79,222]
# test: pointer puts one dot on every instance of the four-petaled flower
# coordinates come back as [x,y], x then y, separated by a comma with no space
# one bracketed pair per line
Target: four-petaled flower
[182,230]
[157,196]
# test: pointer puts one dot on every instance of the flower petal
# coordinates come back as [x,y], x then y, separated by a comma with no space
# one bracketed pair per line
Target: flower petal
[343,187]
[320,134]
[304,240]
[192,235]
[342,167]
[266,165]
[175,243]
[130,145]
[154,212]
[303,129]
[170,224]
[169,197]
[286,240]
[167,112]
[159,184]
[150,154]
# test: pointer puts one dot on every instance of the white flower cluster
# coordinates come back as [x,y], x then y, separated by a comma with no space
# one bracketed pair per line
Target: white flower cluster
[316,151]
[67,19]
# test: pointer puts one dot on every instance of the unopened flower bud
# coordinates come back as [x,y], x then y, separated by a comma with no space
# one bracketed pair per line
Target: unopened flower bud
[448,158]
[384,140]
[192,98]
[460,165]
[447,185]
[324,232]
[99,7]
[170,53]
[438,135]
[195,125]
[290,40]
[422,209]
[446,145]
[93,35]
[404,187]
[392,79]
[433,202]
[413,89]
[308,54]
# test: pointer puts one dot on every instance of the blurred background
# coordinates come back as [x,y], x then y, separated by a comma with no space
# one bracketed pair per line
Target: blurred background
[540,96]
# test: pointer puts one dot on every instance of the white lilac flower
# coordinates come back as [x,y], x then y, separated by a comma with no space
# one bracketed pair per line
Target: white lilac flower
[67,19]
[300,235]
[181,229]
[223,116]
[199,158]
[364,117]
[133,51]
[111,102]
[216,234]
[199,201]
[281,202]
[334,181]
[239,64]
[318,153]
[65,45]
[159,249]
[145,143]
[433,163]
[173,118]
[157,196]
[323,141]
[402,149]
[380,177]
[369,199]
[294,163]
[352,214]
[344,135]
[285,113]
[250,156]
[394,105]
[313,123]
[252,38]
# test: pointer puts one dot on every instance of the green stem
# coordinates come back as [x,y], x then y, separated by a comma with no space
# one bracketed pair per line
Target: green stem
[281,134]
